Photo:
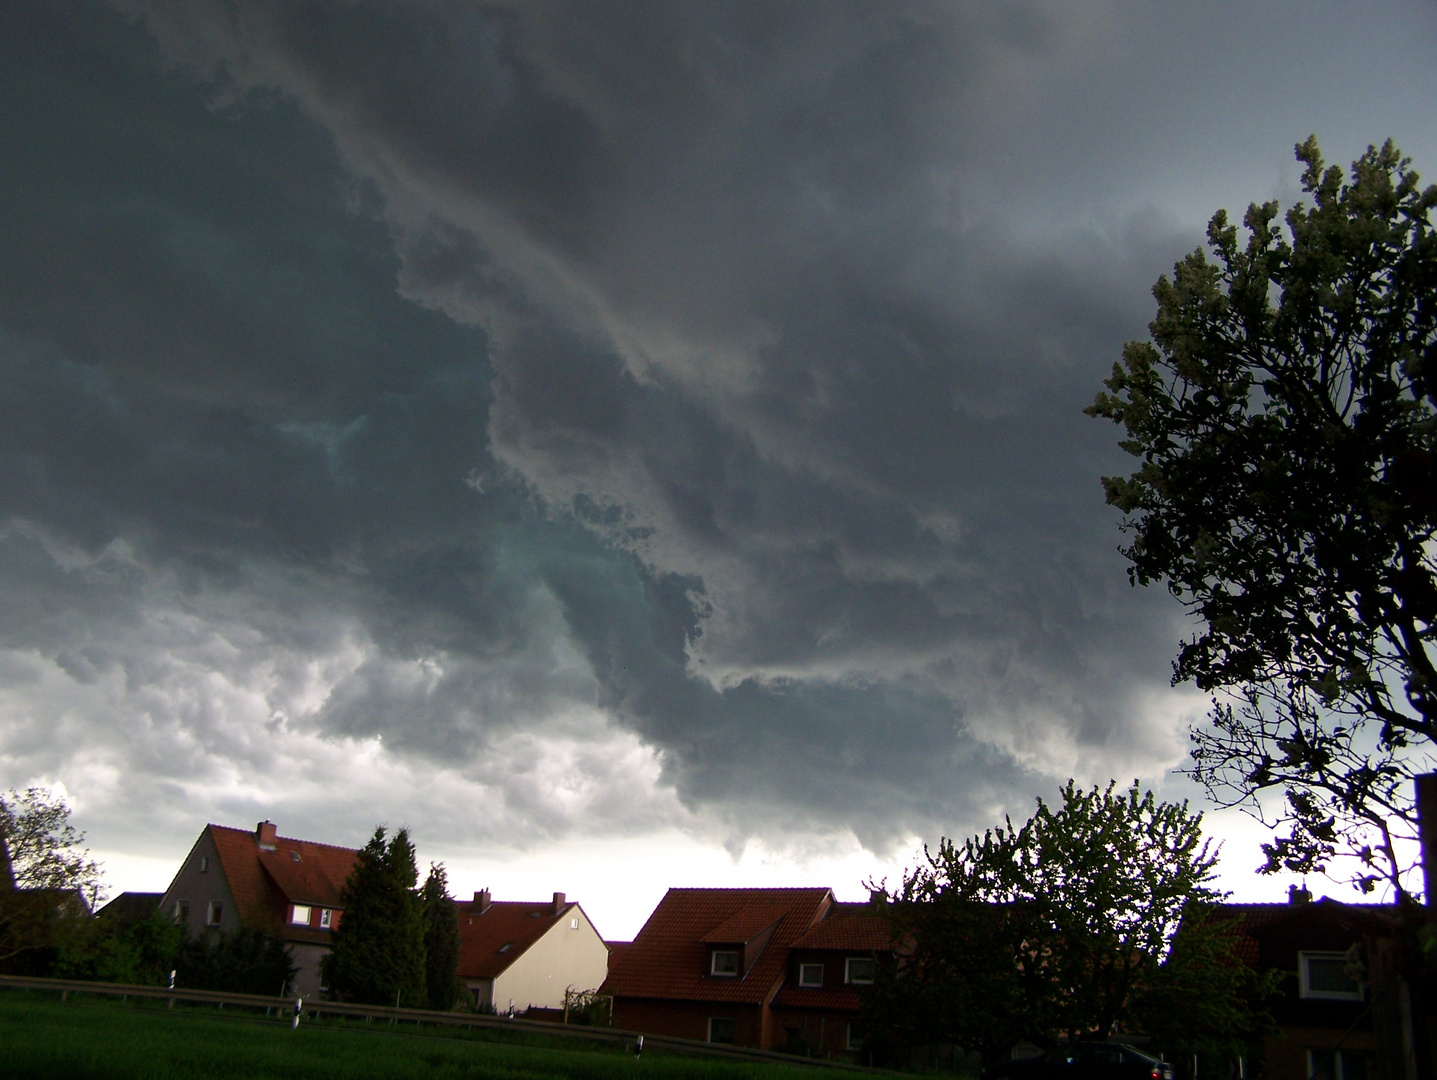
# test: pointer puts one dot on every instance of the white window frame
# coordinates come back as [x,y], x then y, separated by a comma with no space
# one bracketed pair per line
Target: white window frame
[296,919]
[1304,980]
[848,976]
[1339,1062]
[805,977]
[714,964]
[214,913]
[733,1032]
[573,924]
[326,918]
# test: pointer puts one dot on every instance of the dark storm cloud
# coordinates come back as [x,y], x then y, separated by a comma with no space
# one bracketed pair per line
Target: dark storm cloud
[442,374]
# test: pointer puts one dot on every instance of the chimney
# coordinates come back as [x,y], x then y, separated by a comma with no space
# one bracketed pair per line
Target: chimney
[1298,894]
[558,902]
[1427,833]
[264,835]
[481,901]
[877,898]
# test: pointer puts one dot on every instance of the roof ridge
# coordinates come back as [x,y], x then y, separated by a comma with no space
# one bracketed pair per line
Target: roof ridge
[291,839]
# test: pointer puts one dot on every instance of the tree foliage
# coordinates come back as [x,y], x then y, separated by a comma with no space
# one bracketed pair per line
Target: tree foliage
[1283,415]
[441,941]
[47,878]
[1059,928]
[142,951]
[238,962]
[378,949]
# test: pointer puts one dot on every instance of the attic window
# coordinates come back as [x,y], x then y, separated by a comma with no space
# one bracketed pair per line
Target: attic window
[204,864]
[858,970]
[294,855]
[326,918]
[724,962]
[810,975]
[300,916]
[573,924]
[1326,975]
[506,946]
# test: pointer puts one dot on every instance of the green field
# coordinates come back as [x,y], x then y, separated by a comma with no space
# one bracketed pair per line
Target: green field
[84,1038]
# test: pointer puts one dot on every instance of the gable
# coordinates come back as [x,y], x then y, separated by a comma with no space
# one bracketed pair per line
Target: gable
[493,935]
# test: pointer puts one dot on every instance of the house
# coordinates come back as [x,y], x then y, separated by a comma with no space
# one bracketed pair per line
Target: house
[1323,1012]
[520,956]
[816,1010]
[30,917]
[236,879]
[765,968]
[130,908]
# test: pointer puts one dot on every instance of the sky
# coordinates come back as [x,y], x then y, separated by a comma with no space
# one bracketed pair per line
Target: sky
[629,445]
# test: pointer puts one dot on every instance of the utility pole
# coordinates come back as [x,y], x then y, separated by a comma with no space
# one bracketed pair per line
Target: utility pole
[1427,834]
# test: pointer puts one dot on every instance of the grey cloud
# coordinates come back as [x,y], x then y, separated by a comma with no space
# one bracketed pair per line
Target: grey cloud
[560,384]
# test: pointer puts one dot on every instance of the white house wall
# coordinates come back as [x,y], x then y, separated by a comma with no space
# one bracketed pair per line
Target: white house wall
[563,958]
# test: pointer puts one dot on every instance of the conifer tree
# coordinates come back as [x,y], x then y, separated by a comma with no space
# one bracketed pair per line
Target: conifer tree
[378,955]
[441,940]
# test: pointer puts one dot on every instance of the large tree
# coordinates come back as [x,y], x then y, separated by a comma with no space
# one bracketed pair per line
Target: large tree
[1062,927]
[1283,415]
[47,878]
[441,940]
[378,951]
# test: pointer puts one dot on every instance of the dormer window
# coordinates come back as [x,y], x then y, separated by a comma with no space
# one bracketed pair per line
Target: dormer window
[326,918]
[859,970]
[810,975]
[293,855]
[300,916]
[724,962]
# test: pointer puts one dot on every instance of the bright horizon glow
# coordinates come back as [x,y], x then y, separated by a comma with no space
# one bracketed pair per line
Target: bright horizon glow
[618,882]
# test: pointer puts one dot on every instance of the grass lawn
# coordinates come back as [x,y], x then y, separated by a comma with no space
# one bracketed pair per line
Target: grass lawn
[102,1039]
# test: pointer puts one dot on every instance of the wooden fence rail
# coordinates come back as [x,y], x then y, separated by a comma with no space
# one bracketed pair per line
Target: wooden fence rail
[289,1006]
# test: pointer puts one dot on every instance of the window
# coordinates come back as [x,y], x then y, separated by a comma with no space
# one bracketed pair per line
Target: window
[326,917]
[721,1029]
[300,915]
[214,913]
[1337,1065]
[293,855]
[858,970]
[1326,975]
[573,924]
[506,946]
[182,912]
[853,1038]
[204,864]
[724,962]
[810,974]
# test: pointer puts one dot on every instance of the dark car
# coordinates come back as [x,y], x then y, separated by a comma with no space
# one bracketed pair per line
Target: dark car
[1083,1061]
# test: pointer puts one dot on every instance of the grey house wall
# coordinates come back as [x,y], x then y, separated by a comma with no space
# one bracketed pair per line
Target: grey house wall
[202,887]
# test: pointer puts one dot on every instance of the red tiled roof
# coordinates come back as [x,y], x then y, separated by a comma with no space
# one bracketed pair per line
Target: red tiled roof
[840,998]
[748,923]
[669,957]
[616,950]
[1253,919]
[851,927]
[515,924]
[265,882]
